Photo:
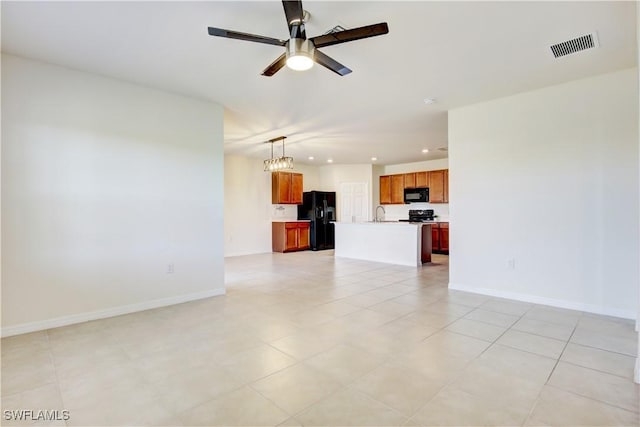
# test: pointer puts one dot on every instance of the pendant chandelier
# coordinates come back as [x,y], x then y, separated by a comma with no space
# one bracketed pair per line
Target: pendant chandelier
[275,164]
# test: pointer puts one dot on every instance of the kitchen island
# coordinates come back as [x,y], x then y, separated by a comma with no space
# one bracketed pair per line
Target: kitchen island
[402,243]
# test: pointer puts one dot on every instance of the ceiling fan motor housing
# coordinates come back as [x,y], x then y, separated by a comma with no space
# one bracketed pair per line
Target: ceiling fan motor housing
[300,51]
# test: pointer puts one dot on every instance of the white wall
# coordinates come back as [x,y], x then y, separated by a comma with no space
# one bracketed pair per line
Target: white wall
[248,211]
[376,171]
[637,368]
[549,179]
[425,165]
[331,176]
[247,206]
[394,212]
[104,184]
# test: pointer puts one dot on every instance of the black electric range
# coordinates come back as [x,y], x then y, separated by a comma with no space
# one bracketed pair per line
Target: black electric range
[419,215]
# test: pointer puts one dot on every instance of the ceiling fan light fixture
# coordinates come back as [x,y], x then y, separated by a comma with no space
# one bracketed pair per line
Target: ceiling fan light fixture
[300,54]
[299,62]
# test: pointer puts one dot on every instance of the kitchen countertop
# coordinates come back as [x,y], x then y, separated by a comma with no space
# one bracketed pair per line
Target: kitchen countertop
[391,221]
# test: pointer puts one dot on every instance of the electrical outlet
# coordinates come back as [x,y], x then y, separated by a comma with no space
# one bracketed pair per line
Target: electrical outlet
[511,264]
[169,268]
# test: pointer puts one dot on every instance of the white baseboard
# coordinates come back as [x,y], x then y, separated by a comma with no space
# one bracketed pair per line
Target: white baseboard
[571,305]
[245,253]
[102,314]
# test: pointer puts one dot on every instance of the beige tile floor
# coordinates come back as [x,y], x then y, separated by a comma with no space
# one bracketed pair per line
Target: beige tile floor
[306,339]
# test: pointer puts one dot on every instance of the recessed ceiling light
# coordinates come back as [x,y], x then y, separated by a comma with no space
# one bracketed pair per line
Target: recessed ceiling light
[425,150]
[430,101]
[310,157]
[329,160]
[373,159]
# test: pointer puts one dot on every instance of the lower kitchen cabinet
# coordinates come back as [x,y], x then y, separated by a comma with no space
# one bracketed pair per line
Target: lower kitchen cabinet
[290,236]
[440,237]
[427,248]
[435,237]
[444,237]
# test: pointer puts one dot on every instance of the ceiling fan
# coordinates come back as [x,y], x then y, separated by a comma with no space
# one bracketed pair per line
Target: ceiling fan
[300,52]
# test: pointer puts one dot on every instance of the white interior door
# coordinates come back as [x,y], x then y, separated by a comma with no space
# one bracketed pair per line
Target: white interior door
[354,202]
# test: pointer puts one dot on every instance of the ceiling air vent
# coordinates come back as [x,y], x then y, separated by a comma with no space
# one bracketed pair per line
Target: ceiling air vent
[578,44]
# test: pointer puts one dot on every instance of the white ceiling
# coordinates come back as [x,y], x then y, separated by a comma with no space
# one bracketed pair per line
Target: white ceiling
[458,52]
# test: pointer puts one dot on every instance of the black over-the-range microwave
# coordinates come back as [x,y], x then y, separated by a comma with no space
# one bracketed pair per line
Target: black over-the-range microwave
[416,195]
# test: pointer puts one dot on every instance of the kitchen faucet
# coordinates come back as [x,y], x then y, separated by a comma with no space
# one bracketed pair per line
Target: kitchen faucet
[383,214]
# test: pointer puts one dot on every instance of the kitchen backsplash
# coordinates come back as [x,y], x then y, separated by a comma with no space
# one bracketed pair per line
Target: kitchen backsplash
[280,212]
[392,212]
[395,212]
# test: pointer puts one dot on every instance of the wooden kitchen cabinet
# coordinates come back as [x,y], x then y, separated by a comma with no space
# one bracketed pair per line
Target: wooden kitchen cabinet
[422,179]
[392,186]
[435,237]
[437,186]
[427,245]
[410,180]
[446,185]
[397,189]
[286,188]
[440,237]
[444,237]
[296,188]
[385,190]
[392,189]
[290,236]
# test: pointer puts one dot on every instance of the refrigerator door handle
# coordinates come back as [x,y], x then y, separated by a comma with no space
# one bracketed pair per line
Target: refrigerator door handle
[325,217]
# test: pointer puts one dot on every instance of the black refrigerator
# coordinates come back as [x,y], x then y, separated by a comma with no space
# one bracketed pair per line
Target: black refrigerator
[320,208]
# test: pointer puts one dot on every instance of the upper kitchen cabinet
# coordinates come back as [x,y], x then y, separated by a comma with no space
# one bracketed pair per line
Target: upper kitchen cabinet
[446,186]
[422,179]
[392,186]
[385,190]
[439,186]
[397,189]
[410,180]
[391,189]
[286,188]
[296,188]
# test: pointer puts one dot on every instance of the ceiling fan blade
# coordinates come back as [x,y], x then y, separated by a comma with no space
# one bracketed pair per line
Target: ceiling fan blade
[219,32]
[330,63]
[350,35]
[293,11]
[295,18]
[275,66]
